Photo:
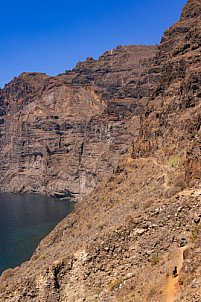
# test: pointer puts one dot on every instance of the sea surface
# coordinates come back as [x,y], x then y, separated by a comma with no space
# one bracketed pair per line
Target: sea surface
[24,220]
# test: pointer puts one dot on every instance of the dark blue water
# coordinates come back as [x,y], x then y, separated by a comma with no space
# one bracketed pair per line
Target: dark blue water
[24,220]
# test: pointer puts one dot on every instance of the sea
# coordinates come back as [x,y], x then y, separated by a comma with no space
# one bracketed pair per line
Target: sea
[25,219]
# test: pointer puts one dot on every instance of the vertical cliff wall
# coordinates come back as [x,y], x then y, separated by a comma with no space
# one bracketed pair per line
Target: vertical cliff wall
[170,123]
[62,135]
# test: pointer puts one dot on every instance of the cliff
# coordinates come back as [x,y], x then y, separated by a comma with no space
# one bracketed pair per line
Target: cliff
[62,135]
[123,241]
[116,73]
[170,123]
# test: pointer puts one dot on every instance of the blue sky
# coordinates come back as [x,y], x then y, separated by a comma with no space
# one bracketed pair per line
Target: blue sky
[51,36]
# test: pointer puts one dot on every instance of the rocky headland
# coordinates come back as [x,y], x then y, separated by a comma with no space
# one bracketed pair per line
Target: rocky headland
[124,239]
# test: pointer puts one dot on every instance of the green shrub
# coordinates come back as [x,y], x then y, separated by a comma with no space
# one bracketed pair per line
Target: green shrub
[195,233]
[152,292]
[114,284]
[154,260]
[174,162]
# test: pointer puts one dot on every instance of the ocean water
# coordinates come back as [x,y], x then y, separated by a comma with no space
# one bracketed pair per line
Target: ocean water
[25,219]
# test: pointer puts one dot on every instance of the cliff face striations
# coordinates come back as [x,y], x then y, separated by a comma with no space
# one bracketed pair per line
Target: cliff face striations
[123,240]
[170,123]
[62,135]
[116,73]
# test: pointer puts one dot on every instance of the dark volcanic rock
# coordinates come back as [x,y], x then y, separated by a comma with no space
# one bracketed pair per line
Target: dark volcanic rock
[170,123]
[116,73]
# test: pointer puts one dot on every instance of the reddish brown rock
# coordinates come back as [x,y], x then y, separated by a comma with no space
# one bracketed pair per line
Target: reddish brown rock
[123,241]
[170,123]
[62,135]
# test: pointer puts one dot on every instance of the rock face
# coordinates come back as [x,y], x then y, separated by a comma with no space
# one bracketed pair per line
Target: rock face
[170,123]
[123,241]
[118,73]
[62,135]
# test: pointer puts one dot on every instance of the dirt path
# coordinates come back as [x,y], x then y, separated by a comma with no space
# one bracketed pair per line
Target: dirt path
[153,159]
[172,287]
[164,167]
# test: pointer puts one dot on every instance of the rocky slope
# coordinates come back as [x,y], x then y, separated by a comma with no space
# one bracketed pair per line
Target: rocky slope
[123,241]
[125,250]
